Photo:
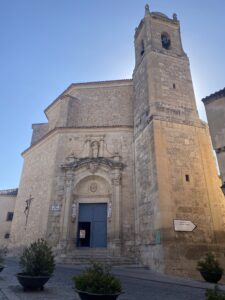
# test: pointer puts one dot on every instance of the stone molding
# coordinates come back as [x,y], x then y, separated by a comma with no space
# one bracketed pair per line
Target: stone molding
[92,163]
[77,129]
[77,169]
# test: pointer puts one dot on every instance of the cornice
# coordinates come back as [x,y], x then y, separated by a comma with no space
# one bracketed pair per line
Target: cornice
[78,129]
[9,192]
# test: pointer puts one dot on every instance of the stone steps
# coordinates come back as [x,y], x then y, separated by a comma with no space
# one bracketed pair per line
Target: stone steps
[85,256]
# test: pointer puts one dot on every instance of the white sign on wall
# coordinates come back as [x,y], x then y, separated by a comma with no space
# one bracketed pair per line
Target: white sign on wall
[56,207]
[183,225]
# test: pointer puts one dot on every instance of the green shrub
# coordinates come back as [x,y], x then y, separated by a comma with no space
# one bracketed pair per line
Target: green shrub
[37,259]
[214,294]
[3,251]
[98,279]
[209,264]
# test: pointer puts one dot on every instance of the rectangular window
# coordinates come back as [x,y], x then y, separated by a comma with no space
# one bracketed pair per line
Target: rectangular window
[187,177]
[9,216]
[7,235]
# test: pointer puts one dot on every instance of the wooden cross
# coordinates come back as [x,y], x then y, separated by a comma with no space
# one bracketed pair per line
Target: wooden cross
[27,208]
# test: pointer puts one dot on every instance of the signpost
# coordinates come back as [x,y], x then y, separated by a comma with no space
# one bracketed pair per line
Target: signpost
[183,225]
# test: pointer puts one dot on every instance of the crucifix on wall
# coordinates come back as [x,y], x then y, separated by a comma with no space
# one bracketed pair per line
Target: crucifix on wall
[27,208]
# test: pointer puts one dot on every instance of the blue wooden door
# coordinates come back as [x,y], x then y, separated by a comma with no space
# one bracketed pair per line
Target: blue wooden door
[96,214]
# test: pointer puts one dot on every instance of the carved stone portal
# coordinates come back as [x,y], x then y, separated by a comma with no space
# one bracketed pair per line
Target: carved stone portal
[92,179]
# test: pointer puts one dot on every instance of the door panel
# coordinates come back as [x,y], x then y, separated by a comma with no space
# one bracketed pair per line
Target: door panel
[85,212]
[96,215]
[99,236]
[100,212]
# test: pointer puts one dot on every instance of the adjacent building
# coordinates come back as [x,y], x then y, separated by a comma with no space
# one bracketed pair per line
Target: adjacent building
[7,204]
[215,110]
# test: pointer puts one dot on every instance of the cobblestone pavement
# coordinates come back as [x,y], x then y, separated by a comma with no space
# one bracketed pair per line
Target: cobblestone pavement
[138,283]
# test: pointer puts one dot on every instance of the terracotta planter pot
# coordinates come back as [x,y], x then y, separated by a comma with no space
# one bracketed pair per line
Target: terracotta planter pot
[211,276]
[32,282]
[90,296]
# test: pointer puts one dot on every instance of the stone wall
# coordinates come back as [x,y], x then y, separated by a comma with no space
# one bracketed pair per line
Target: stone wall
[141,103]
[215,110]
[189,189]
[39,131]
[36,182]
[171,92]
[95,104]
[44,179]
[147,200]
[175,172]
[102,105]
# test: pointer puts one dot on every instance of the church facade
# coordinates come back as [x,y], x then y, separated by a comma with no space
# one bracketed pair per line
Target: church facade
[125,167]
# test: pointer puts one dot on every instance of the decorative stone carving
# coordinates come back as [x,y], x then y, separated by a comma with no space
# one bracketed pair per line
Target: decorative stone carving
[175,17]
[69,178]
[116,179]
[93,164]
[147,9]
[95,149]
[93,146]
[93,187]
[93,167]
[74,212]
[71,158]
[109,213]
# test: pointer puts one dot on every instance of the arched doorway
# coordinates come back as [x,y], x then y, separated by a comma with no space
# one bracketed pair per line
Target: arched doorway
[92,197]
[92,181]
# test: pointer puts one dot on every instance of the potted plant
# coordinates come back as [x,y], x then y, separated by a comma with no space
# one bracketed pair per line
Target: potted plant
[37,263]
[3,251]
[209,268]
[97,282]
[214,294]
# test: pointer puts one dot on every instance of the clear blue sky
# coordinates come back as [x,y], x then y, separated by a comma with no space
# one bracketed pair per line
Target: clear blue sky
[48,44]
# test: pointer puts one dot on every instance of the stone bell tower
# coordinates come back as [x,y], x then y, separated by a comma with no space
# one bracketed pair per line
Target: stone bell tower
[177,186]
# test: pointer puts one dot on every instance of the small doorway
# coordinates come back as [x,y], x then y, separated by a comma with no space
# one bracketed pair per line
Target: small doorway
[84,230]
[92,225]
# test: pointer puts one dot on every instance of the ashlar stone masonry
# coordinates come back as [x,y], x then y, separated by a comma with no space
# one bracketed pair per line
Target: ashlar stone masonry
[119,161]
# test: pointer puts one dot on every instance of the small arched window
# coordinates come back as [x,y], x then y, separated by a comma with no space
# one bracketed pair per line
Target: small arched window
[165,39]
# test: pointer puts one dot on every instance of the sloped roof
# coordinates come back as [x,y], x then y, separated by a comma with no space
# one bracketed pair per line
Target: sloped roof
[85,83]
[10,192]
[214,96]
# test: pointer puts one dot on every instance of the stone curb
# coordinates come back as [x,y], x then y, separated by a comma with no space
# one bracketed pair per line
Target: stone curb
[10,295]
